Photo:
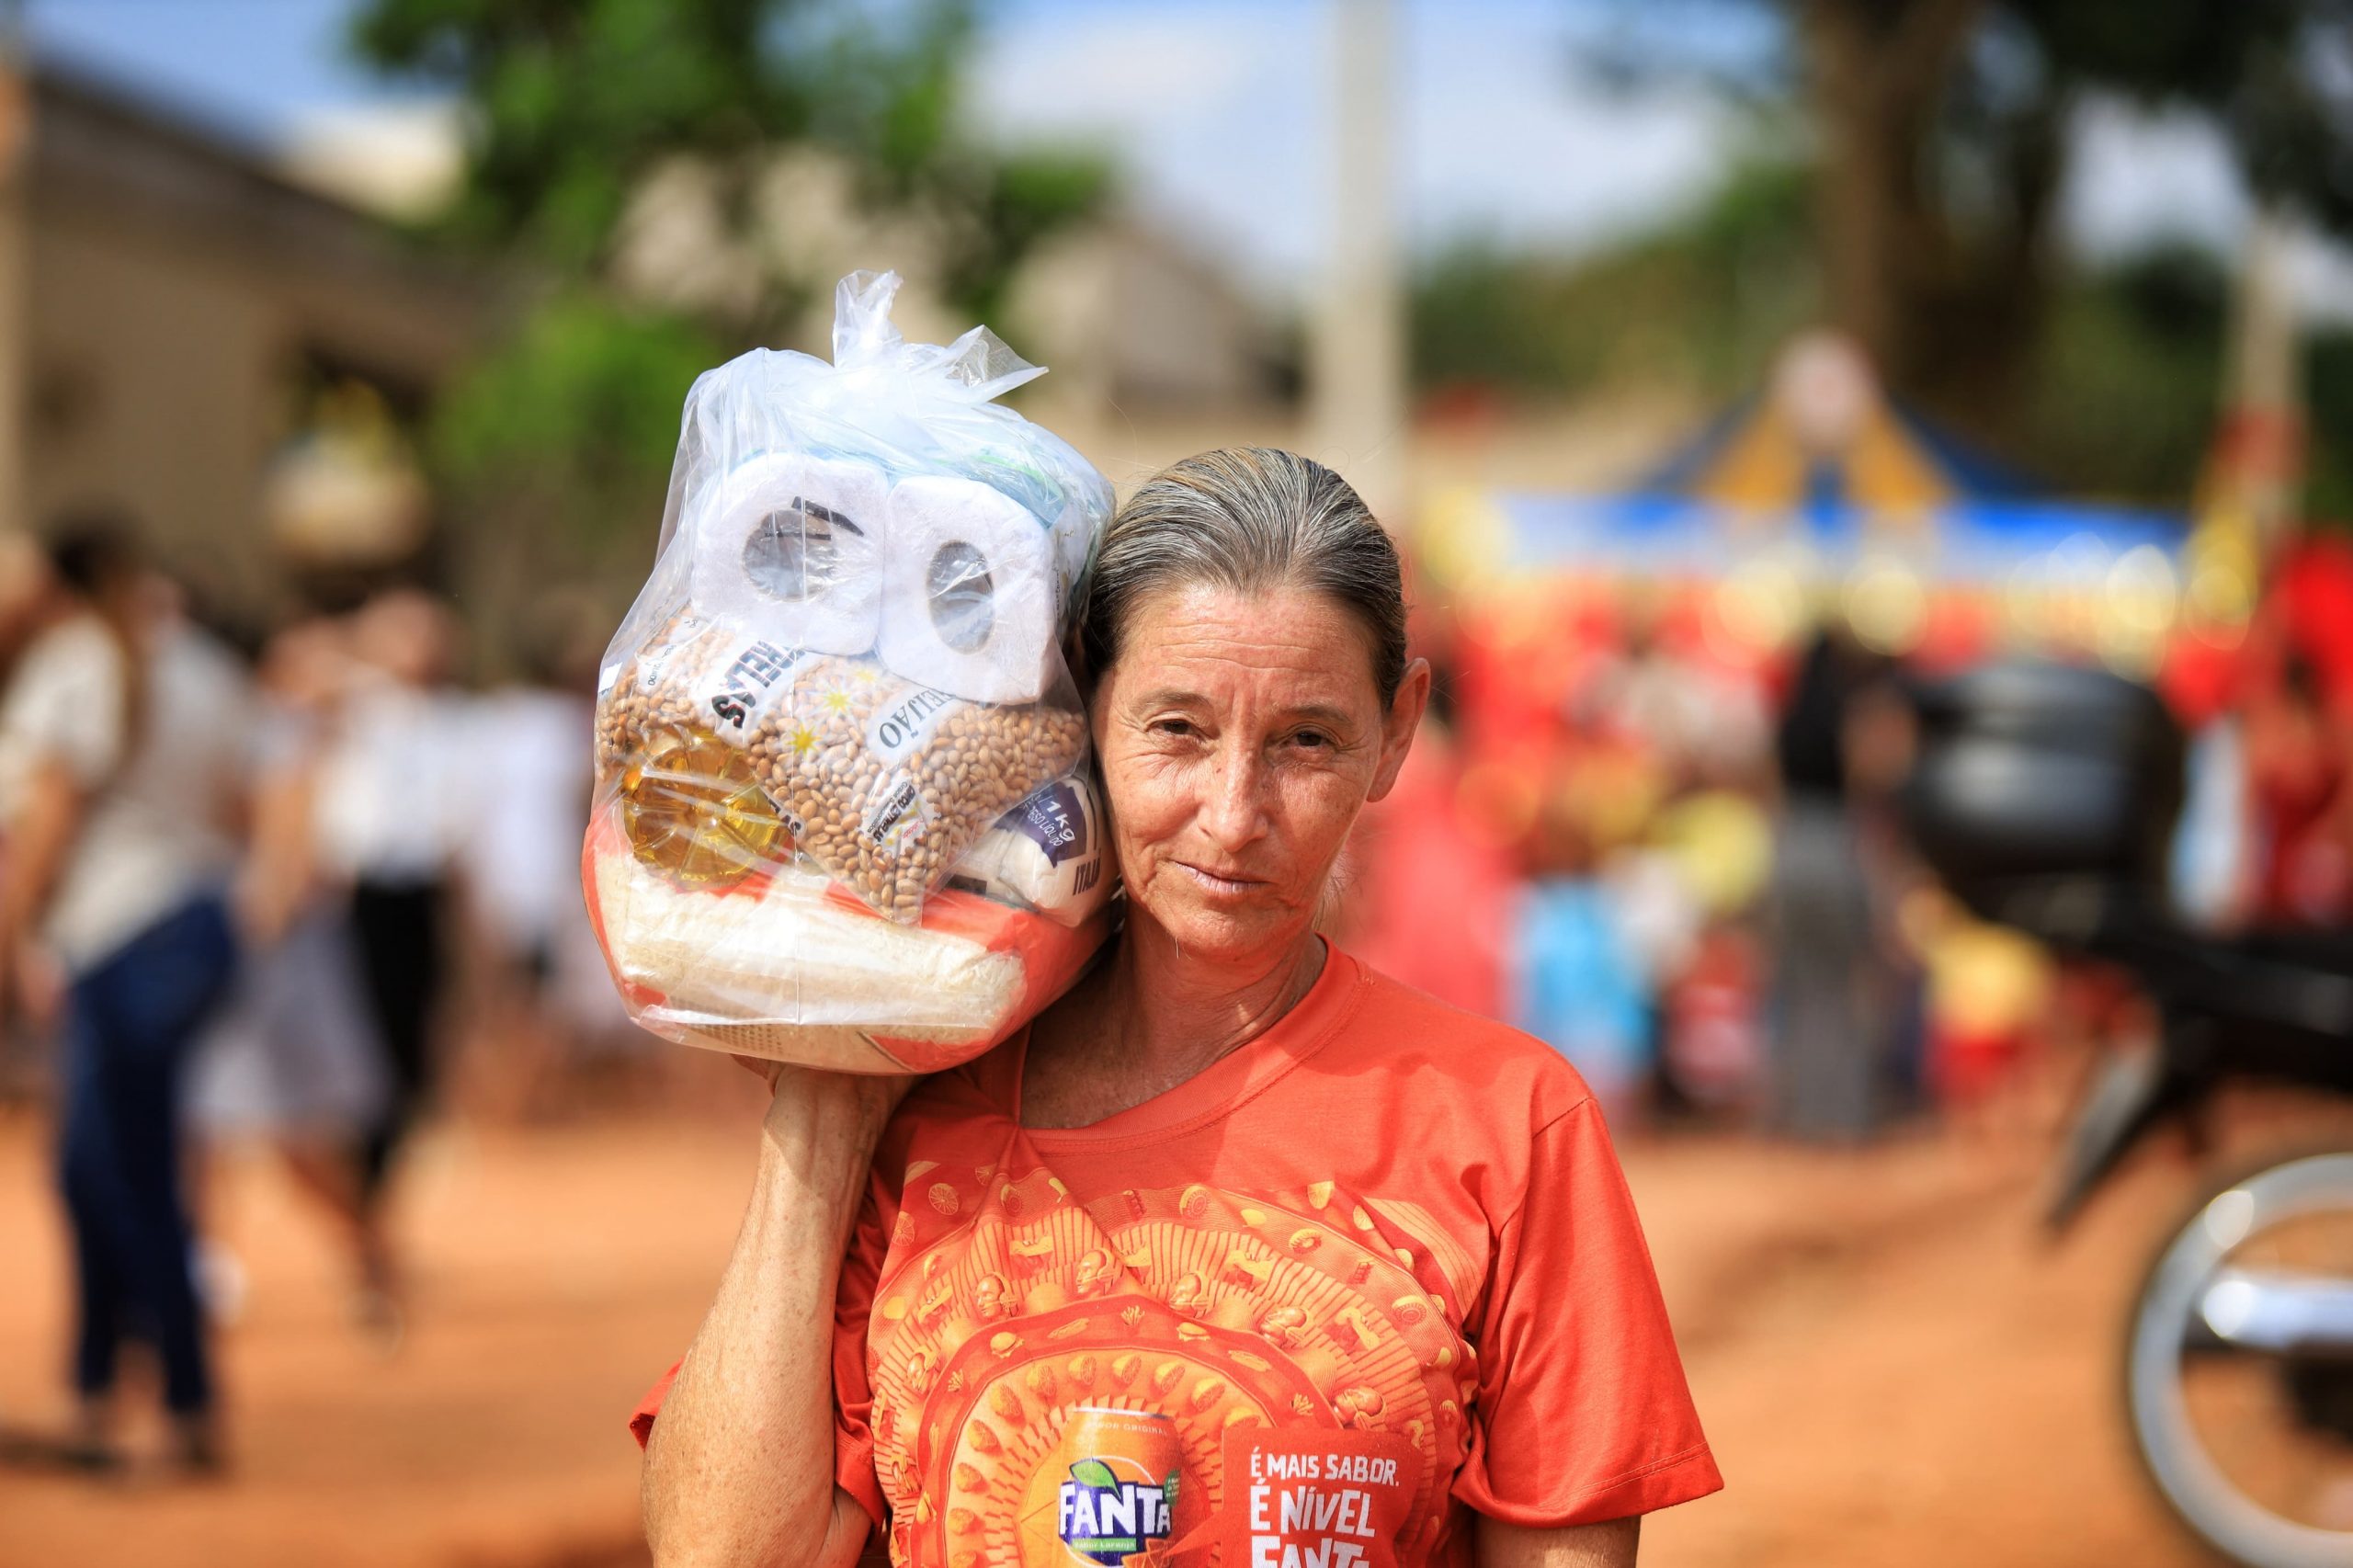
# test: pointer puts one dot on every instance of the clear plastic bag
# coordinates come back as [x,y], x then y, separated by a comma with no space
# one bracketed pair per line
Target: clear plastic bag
[843,812]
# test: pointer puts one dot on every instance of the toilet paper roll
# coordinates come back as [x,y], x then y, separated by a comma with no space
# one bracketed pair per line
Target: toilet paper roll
[970,601]
[791,549]
[1049,854]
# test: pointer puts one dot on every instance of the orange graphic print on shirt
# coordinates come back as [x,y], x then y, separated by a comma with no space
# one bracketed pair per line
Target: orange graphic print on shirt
[1064,1375]
[1233,1325]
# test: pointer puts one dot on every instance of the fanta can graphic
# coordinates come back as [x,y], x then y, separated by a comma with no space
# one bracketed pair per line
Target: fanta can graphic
[1108,1491]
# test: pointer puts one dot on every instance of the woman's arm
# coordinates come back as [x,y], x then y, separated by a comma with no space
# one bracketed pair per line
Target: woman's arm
[740,1465]
[280,857]
[47,818]
[1608,1545]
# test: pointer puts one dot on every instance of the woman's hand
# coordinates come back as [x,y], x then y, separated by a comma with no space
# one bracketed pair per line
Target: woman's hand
[867,1096]
[740,1465]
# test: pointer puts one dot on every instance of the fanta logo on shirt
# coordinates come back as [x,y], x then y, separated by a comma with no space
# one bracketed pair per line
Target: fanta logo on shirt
[1107,1519]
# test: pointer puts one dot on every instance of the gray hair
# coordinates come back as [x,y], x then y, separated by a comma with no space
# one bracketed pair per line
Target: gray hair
[1252,519]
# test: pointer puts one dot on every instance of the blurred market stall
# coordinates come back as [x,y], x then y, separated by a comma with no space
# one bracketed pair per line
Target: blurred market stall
[1821,494]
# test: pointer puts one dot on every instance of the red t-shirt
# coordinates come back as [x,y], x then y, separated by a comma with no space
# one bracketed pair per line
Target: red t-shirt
[1374,1270]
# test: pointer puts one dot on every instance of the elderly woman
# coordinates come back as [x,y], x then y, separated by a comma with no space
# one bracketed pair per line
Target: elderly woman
[1241,1253]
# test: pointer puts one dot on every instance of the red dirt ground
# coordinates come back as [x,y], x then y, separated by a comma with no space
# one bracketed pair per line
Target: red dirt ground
[1892,1365]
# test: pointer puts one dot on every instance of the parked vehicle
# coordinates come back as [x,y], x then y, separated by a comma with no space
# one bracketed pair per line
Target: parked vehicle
[2045,797]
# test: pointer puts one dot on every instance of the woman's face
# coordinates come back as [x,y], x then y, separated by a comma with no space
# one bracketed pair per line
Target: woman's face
[1239,736]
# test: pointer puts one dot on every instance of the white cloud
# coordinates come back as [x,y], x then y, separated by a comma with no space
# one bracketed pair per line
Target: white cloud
[1219,113]
[1049,75]
[1503,137]
[400,159]
[1218,110]
[2137,177]
[1210,111]
[2321,273]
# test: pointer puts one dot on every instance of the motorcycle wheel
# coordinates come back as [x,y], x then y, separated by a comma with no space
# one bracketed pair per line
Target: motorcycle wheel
[2245,1425]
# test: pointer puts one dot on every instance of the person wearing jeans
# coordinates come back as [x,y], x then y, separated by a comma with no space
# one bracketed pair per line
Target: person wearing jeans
[122,758]
[132,1022]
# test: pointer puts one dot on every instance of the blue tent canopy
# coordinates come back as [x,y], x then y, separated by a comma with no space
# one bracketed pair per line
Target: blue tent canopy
[1893,488]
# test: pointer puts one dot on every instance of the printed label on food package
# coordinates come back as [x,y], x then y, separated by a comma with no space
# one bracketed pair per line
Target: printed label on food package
[897,729]
[896,813]
[652,665]
[1054,819]
[738,692]
[1303,1499]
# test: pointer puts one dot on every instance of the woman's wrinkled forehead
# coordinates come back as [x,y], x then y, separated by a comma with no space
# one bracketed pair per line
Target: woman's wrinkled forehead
[1256,520]
[1204,638]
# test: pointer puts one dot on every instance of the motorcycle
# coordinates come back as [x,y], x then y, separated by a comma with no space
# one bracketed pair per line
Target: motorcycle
[2045,797]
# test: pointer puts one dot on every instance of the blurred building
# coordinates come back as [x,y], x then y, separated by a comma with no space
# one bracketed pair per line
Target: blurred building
[1128,319]
[175,316]
[233,343]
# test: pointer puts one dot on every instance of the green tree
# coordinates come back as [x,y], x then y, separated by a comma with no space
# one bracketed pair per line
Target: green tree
[572,104]
[2122,377]
[1939,148]
[2125,377]
[557,440]
[1699,304]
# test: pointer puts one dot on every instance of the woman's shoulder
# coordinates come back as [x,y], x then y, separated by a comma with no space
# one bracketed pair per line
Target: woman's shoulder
[957,1109]
[79,647]
[1432,1048]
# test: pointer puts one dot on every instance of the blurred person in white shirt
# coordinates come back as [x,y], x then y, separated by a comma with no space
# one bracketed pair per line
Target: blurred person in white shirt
[294,1063]
[121,753]
[548,998]
[392,792]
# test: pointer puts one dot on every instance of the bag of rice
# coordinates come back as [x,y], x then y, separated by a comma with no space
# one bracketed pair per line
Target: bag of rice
[844,815]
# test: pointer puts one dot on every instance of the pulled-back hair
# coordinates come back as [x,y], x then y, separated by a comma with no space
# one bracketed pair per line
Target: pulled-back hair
[1252,519]
[94,550]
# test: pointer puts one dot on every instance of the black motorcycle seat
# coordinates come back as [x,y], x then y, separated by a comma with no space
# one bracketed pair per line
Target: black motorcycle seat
[2327,951]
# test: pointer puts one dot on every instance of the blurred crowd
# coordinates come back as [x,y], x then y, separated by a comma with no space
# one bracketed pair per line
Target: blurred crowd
[294,891]
[1680,859]
[264,890]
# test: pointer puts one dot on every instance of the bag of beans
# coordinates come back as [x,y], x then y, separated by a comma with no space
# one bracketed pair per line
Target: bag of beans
[844,812]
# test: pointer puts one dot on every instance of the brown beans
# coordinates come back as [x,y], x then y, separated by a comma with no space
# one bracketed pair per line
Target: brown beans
[885,783]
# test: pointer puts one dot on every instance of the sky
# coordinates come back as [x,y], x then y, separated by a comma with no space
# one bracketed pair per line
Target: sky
[1215,108]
